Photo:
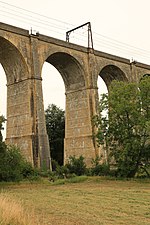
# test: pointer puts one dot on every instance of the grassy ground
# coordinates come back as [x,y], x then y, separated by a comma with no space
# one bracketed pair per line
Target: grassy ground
[96,201]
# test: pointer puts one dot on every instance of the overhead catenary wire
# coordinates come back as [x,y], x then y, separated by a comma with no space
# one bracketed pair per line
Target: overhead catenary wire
[101,43]
[48,24]
[122,46]
[45,23]
[37,25]
[34,13]
[32,18]
[34,22]
[121,43]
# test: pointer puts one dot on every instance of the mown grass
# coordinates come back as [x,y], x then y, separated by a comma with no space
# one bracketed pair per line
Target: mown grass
[96,201]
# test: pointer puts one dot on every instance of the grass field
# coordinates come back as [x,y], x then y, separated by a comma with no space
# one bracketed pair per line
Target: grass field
[91,202]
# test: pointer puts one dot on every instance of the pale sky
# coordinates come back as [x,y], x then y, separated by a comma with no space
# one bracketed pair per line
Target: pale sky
[120,27]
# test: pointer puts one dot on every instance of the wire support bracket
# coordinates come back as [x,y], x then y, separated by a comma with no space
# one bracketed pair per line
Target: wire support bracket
[90,38]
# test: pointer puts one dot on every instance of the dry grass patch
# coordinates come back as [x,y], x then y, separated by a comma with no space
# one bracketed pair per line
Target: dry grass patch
[96,201]
[12,212]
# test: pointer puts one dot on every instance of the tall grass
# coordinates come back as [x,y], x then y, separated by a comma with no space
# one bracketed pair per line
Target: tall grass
[13,213]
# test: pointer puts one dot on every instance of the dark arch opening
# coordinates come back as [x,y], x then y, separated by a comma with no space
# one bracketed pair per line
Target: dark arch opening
[146,75]
[69,70]
[12,61]
[106,76]
[110,73]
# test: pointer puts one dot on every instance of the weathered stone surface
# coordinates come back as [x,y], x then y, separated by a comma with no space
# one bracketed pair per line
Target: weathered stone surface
[22,57]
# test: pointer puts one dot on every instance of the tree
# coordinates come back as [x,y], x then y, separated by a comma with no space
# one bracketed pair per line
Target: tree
[2,144]
[2,120]
[55,124]
[125,130]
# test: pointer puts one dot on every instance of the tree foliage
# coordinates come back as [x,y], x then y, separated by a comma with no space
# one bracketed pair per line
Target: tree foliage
[125,130]
[2,120]
[55,124]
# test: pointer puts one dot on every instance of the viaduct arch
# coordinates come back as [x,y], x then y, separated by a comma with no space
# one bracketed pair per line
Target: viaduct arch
[22,56]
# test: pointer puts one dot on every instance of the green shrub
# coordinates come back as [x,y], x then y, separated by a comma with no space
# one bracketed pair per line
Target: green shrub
[27,169]
[99,169]
[54,165]
[53,176]
[76,165]
[13,167]
[42,173]
[62,171]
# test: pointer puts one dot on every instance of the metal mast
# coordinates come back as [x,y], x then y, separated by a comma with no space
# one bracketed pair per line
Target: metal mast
[90,38]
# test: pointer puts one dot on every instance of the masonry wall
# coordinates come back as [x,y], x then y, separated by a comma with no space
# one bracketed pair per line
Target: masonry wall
[19,119]
[78,139]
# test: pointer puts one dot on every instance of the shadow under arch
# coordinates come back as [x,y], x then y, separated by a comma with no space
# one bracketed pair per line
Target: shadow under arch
[12,62]
[110,73]
[146,75]
[69,68]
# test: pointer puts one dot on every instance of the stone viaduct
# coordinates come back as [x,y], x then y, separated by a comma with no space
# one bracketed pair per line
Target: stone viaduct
[22,56]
